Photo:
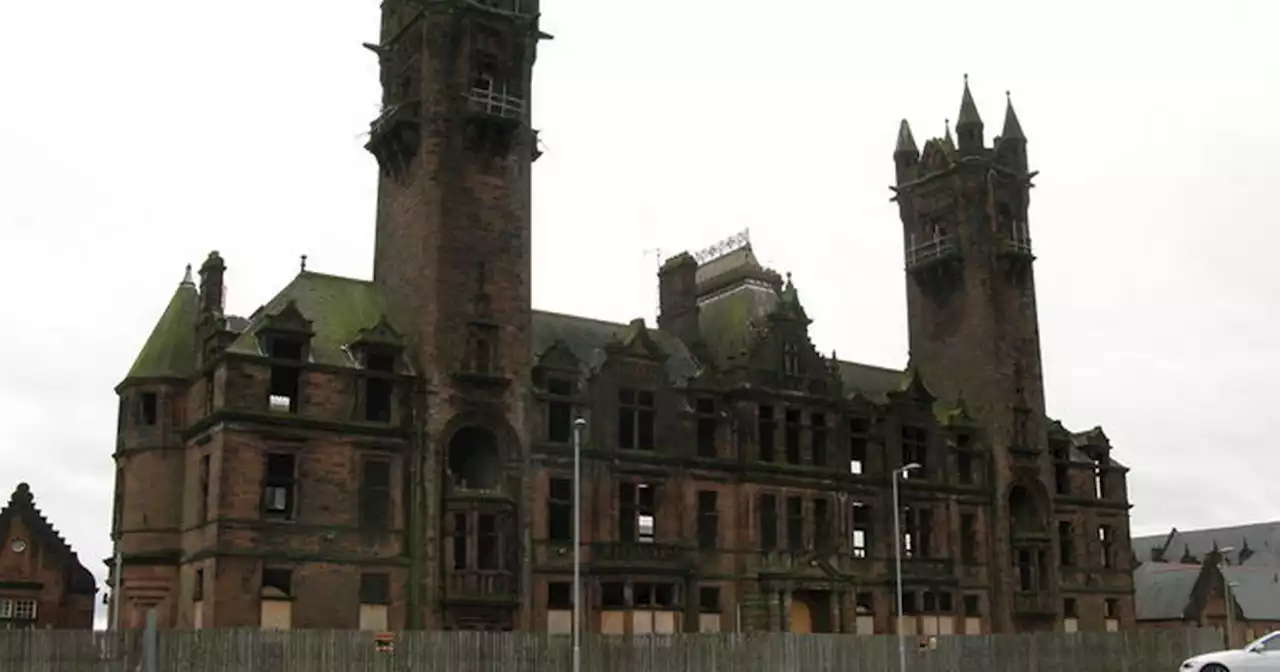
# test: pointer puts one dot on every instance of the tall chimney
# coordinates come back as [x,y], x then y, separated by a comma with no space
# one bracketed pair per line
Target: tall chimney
[678,297]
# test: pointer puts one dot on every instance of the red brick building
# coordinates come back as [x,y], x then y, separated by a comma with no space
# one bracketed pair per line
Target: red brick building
[42,583]
[397,452]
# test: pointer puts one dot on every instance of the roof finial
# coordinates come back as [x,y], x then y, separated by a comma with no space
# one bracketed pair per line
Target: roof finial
[1008,96]
[303,265]
[966,79]
[186,277]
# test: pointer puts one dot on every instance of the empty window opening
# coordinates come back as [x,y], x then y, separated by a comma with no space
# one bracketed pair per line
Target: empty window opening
[150,408]
[924,532]
[908,533]
[1106,543]
[1024,514]
[766,428]
[460,542]
[488,543]
[636,512]
[857,446]
[708,519]
[818,439]
[379,391]
[822,529]
[1066,544]
[279,486]
[202,506]
[1111,608]
[860,515]
[969,538]
[482,350]
[790,360]
[709,600]
[375,494]
[792,436]
[964,465]
[1070,609]
[1026,571]
[1100,479]
[795,523]
[560,509]
[708,425]
[560,411]
[277,583]
[560,595]
[613,595]
[915,448]
[197,586]
[635,419]
[768,522]
[473,458]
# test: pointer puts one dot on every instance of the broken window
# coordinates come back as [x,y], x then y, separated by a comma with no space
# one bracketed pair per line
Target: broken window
[375,601]
[375,494]
[857,446]
[613,594]
[197,586]
[768,522]
[636,512]
[795,523]
[1042,569]
[790,360]
[1026,571]
[708,519]
[149,409]
[915,449]
[473,458]
[969,538]
[278,486]
[1100,479]
[1061,474]
[560,411]
[707,427]
[559,595]
[1106,543]
[460,544]
[560,509]
[488,546]
[792,435]
[1070,609]
[275,603]
[709,600]
[286,375]
[635,419]
[964,465]
[379,390]
[1066,544]
[822,532]
[908,533]
[202,506]
[1111,608]
[924,532]
[860,515]
[818,439]
[765,425]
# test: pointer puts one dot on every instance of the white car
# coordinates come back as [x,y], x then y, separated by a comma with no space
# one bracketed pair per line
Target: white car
[1262,654]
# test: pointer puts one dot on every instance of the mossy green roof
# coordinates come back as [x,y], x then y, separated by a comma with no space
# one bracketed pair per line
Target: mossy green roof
[338,308]
[170,350]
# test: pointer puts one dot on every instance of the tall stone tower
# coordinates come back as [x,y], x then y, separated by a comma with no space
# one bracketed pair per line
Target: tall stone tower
[974,334]
[454,146]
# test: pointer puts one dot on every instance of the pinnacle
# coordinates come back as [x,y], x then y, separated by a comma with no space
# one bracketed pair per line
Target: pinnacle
[968,109]
[906,141]
[1012,129]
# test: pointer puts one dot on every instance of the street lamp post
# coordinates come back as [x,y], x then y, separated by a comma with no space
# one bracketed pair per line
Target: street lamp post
[1226,592]
[900,472]
[578,426]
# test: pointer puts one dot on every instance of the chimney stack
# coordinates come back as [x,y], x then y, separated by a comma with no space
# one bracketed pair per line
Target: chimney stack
[678,297]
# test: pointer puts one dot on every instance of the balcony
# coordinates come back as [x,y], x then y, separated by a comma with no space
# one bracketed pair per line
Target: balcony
[480,587]
[496,102]
[927,251]
[1017,243]
[1037,603]
[510,7]
[635,554]
[923,568]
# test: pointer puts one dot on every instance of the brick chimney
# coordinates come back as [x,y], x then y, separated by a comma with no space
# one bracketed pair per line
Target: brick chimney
[678,297]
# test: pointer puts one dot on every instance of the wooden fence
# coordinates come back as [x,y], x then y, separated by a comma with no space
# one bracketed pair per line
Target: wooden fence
[327,651]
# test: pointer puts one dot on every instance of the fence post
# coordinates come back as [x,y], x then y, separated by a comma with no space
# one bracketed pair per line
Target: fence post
[150,643]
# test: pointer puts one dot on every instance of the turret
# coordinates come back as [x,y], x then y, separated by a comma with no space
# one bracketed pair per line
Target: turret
[905,153]
[969,124]
[1011,146]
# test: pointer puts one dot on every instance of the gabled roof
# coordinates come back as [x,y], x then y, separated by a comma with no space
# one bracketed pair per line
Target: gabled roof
[1163,591]
[170,350]
[22,507]
[1262,541]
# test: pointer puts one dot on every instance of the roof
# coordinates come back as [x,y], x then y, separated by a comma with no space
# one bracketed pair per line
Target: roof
[1164,590]
[1254,544]
[22,507]
[170,350]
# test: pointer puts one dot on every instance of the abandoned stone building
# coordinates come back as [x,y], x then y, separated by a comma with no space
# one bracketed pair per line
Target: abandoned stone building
[43,584]
[397,453]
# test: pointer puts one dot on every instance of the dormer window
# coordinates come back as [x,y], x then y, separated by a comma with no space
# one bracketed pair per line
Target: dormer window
[286,374]
[790,360]
[379,391]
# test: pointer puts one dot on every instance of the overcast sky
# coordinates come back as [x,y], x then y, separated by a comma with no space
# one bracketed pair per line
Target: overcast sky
[138,135]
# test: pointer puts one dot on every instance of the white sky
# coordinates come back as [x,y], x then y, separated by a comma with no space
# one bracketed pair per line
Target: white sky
[137,135]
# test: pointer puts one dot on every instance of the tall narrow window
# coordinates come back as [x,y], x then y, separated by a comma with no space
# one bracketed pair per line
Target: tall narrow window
[924,531]
[379,389]
[482,349]
[790,360]
[964,465]
[766,429]
[636,512]
[150,409]
[708,519]
[768,512]
[202,506]
[793,436]
[460,544]
[1061,475]
[635,419]
[286,375]
[1100,479]
[276,603]
[560,411]
[795,523]
[822,532]
[818,439]
[707,427]
[1106,542]
[1066,544]
[375,494]
[560,509]
[969,538]
[1026,571]
[375,601]
[915,448]
[860,514]
[488,550]
[908,532]
[857,446]
[278,486]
